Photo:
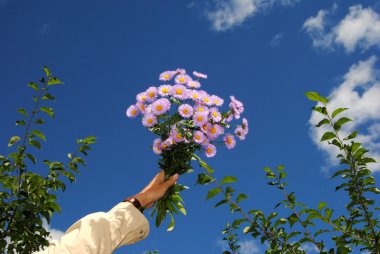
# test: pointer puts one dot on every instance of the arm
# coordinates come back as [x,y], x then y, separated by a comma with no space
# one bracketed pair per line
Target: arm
[104,232]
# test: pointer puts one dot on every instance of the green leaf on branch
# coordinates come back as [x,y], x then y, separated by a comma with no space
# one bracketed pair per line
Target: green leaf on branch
[240,197]
[204,179]
[31,157]
[352,135]
[321,205]
[282,175]
[39,134]
[321,110]
[39,121]
[35,143]
[322,122]
[20,122]
[13,140]
[328,136]
[228,179]
[337,111]
[22,111]
[292,219]
[171,225]
[34,86]
[341,122]
[48,111]
[213,192]
[203,164]
[223,201]
[314,96]
[48,96]
[329,212]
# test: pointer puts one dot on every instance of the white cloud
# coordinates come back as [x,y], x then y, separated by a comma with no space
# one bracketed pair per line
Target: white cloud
[309,248]
[360,28]
[231,13]
[360,92]
[276,40]
[248,247]
[55,234]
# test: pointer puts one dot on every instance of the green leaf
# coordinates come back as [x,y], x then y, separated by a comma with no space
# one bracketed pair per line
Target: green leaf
[282,175]
[314,96]
[352,135]
[22,111]
[39,121]
[47,71]
[13,140]
[48,111]
[322,122]
[228,179]
[204,179]
[34,86]
[203,164]
[39,134]
[328,136]
[48,96]
[20,122]
[321,110]
[213,192]
[341,122]
[55,206]
[339,172]
[321,205]
[240,197]
[223,201]
[180,208]
[337,111]
[35,143]
[31,157]
[171,225]
[328,212]
[292,219]
[54,81]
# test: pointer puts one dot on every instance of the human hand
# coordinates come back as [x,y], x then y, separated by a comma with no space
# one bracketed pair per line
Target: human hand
[156,189]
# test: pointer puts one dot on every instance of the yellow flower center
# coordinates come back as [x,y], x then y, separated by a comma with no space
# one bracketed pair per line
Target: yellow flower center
[178,91]
[209,150]
[213,130]
[195,96]
[182,79]
[159,107]
[178,136]
[134,111]
[143,98]
[216,101]
[205,99]
[185,111]
[151,94]
[165,90]
[142,107]
[167,76]
[164,146]
[215,114]
[205,127]
[199,118]
[197,137]
[150,121]
[229,140]
[201,109]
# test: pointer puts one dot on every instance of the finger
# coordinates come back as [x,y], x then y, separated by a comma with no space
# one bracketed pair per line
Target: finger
[171,181]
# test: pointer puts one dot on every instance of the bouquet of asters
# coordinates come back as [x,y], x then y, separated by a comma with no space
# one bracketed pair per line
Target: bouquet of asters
[186,120]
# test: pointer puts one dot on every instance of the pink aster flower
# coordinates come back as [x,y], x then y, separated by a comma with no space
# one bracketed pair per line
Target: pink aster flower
[160,106]
[217,100]
[201,108]
[229,140]
[133,111]
[167,143]
[164,90]
[199,118]
[180,71]
[193,84]
[210,150]
[141,97]
[141,106]
[199,75]
[151,93]
[185,110]
[244,126]
[195,95]
[157,146]
[149,120]
[206,127]
[199,137]
[167,75]
[214,132]
[207,100]
[239,132]
[179,92]
[182,79]
[215,114]
[176,136]
[236,107]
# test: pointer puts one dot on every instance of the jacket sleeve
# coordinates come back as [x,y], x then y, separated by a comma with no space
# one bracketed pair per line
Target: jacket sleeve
[102,233]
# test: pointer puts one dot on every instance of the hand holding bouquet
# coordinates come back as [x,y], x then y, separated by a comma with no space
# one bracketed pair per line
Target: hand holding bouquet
[186,120]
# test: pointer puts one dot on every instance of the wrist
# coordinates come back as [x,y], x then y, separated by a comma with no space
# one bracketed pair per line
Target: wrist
[135,201]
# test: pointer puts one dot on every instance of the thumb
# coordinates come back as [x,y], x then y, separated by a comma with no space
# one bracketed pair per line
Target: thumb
[171,181]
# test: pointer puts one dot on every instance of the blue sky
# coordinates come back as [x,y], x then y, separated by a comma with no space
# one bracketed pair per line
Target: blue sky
[265,52]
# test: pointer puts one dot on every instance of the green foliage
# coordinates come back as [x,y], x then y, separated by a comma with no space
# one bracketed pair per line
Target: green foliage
[27,197]
[357,228]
